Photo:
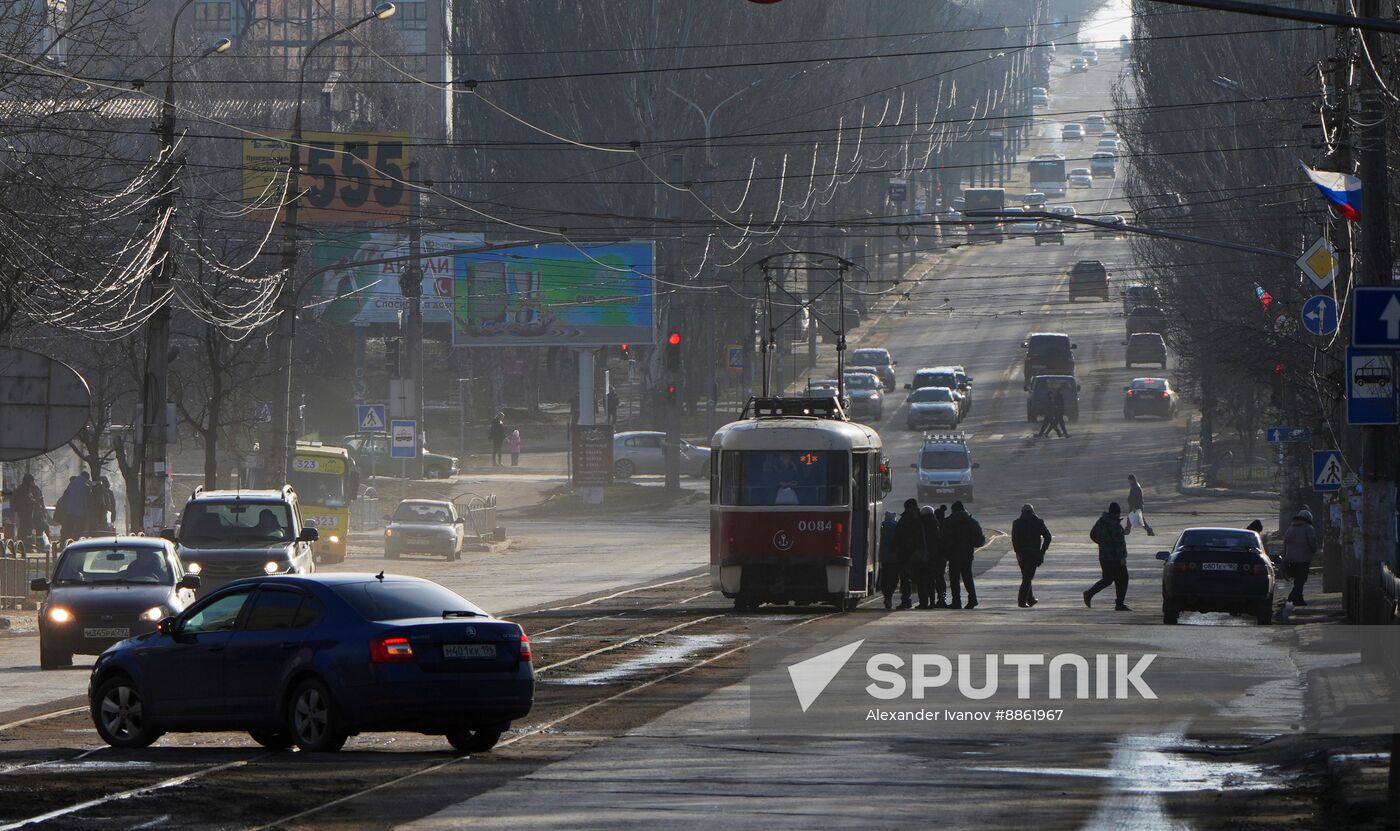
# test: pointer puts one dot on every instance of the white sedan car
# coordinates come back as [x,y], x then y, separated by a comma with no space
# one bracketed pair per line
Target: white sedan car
[644,451]
[1064,210]
[1081,178]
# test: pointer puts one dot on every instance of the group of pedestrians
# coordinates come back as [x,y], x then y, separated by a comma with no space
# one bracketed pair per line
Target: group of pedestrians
[1054,417]
[930,550]
[504,437]
[86,508]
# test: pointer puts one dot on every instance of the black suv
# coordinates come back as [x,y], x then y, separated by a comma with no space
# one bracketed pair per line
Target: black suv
[1088,278]
[1146,348]
[1145,319]
[1047,353]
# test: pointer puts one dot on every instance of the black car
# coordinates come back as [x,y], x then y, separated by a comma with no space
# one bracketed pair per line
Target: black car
[105,590]
[1088,278]
[1049,233]
[1149,396]
[1217,570]
[878,358]
[1145,348]
[311,660]
[1047,353]
[1044,387]
[1146,319]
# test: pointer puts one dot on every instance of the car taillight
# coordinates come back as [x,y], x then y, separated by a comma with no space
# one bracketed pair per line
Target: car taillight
[1178,567]
[1130,393]
[840,530]
[525,654]
[390,650]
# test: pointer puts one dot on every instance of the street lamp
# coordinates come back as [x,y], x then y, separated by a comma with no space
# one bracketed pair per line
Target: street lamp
[281,446]
[156,384]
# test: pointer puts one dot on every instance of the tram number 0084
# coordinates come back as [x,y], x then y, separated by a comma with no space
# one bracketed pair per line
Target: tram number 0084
[814,525]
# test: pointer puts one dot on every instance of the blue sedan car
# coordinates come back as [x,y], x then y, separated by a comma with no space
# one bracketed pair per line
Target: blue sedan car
[313,659]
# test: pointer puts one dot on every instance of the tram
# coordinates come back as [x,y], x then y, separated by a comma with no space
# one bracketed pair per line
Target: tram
[796,491]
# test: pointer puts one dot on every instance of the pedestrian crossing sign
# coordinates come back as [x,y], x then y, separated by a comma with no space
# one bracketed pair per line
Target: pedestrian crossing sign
[1328,473]
[370,417]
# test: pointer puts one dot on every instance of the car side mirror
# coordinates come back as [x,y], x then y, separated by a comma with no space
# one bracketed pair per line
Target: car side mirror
[189,581]
[310,523]
[309,535]
[1074,346]
[976,464]
[1025,345]
[39,584]
[167,626]
[388,518]
[915,466]
[168,534]
[908,386]
[1163,555]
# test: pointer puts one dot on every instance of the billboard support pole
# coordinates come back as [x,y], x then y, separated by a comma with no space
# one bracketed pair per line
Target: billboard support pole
[411,287]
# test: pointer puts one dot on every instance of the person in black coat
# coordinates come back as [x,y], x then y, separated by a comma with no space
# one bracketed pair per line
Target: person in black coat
[908,541]
[962,536]
[929,573]
[1029,539]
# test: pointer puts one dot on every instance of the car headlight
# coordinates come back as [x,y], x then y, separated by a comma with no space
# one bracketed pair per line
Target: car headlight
[272,567]
[334,539]
[154,613]
[194,568]
[58,614]
[388,532]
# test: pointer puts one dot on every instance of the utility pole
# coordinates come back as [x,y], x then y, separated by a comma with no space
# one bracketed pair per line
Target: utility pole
[411,286]
[672,373]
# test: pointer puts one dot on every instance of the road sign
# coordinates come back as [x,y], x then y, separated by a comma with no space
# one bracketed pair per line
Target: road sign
[1289,434]
[1376,317]
[1327,470]
[371,418]
[1320,263]
[262,412]
[1320,315]
[735,359]
[403,438]
[1371,386]
[899,190]
[592,448]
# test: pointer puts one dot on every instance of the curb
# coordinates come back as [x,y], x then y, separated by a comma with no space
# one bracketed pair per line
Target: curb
[1189,485]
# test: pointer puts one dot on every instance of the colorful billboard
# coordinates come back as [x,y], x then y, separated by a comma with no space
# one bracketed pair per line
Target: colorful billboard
[555,295]
[365,294]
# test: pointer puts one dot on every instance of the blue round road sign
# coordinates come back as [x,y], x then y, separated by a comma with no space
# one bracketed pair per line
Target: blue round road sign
[1320,315]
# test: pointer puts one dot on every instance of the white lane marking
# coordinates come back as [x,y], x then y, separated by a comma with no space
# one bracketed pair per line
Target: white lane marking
[44,717]
[537,729]
[996,437]
[134,792]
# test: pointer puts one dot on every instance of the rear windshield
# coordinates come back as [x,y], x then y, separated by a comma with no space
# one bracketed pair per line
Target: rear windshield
[871,357]
[1149,384]
[784,477]
[1048,344]
[1146,339]
[1217,538]
[402,600]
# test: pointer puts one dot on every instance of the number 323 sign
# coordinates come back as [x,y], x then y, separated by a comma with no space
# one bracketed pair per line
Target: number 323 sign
[345,177]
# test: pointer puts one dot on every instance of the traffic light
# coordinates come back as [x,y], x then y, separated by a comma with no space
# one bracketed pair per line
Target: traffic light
[673,352]
[1276,386]
[673,395]
[624,351]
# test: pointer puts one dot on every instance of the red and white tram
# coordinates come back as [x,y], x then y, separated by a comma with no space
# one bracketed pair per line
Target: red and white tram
[795,504]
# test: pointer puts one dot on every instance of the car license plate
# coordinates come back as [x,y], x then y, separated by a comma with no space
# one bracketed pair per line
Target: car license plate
[468,650]
[106,632]
[1219,567]
[942,490]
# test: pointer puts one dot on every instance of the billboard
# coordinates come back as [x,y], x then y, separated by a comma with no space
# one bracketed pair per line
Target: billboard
[555,295]
[345,177]
[364,294]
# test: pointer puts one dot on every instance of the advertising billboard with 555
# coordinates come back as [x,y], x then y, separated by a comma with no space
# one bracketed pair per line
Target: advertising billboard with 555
[347,177]
[585,295]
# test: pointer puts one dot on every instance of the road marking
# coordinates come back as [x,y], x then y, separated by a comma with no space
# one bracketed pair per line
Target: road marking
[134,792]
[996,437]
[44,717]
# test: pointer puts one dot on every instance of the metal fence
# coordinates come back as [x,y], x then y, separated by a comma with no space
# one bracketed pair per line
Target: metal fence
[481,515]
[17,567]
[364,512]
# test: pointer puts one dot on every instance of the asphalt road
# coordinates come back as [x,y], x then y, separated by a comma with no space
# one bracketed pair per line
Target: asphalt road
[642,716]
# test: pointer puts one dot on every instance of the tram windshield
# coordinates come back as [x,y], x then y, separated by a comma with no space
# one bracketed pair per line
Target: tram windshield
[785,477]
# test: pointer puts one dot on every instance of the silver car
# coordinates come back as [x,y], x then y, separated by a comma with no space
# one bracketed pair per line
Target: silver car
[425,526]
[863,390]
[643,452]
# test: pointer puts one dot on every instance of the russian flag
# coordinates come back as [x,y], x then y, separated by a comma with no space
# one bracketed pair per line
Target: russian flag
[1341,189]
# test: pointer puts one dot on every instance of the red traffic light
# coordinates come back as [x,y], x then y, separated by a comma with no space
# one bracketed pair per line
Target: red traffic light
[674,339]
[671,389]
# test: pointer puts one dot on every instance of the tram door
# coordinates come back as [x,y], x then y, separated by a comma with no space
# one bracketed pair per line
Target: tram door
[860,520]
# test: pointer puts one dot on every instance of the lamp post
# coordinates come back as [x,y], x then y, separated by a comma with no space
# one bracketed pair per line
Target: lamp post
[155,425]
[279,453]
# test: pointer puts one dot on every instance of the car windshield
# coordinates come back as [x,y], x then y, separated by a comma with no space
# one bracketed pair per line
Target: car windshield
[784,477]
[395,600]
[422,512]
[871,357]
[943,460]
[236,522]
[319,488]
[925,395]
[1217,538]
[935,379]
[113,565]
[861,381]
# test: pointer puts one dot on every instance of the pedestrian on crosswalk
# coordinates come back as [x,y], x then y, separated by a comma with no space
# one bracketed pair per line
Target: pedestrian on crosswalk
[1110,532]
[1030,539]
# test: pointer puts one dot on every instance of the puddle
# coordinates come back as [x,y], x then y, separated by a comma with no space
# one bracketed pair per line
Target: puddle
[684,647]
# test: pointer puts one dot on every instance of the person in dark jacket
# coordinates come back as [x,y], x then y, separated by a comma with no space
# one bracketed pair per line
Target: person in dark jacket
[72,507]
[498,434]
[891,576]
[1029,539]
[1299,546]
[102,507]
[30,516]
[929,573]
[1111,535]
[962,536]
[1257,527]
[908,542]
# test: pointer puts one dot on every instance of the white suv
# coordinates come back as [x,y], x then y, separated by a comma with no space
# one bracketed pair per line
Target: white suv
[227,535]
[944,469]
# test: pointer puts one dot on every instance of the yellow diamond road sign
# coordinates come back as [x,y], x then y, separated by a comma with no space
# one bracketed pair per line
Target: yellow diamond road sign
[1320,263]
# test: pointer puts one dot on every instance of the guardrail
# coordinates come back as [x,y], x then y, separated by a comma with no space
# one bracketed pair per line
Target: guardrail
[18,566]
[481,516]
